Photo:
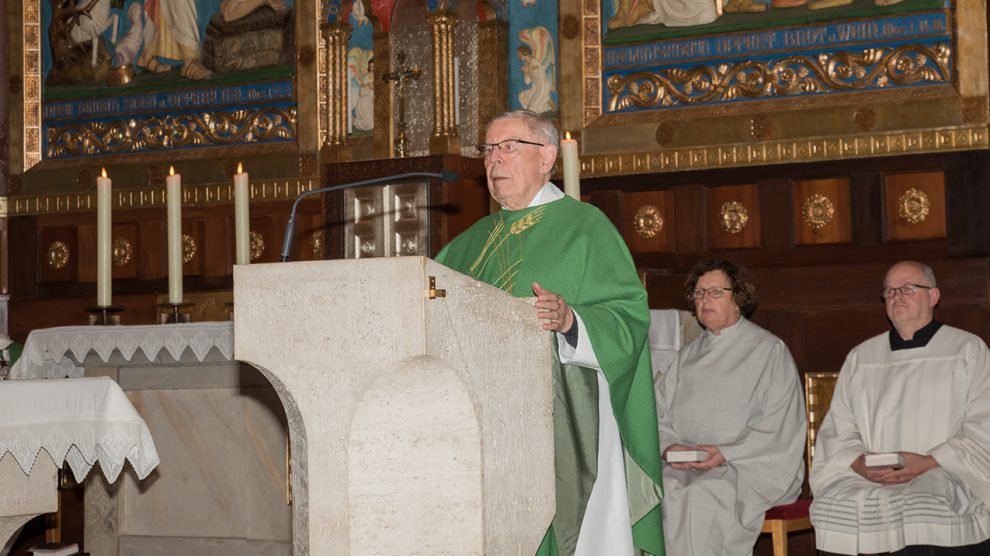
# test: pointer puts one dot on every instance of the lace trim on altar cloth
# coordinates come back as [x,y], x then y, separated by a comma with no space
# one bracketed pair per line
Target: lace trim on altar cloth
[59,352]
[79,421]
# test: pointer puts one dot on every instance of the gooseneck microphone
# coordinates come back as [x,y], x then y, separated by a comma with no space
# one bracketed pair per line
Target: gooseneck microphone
[287,242]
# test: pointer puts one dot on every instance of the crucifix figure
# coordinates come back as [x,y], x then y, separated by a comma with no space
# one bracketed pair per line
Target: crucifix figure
[400,76]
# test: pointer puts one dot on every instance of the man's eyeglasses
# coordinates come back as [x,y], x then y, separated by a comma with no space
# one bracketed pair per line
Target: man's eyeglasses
[509,147]
[908,289]
[713,293]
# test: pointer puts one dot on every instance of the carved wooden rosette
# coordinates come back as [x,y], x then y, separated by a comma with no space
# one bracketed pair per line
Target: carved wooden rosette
[444,138]
[336,36]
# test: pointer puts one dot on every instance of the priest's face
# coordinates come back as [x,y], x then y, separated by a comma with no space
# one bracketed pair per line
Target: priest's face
[719,313]
[516,174]
[909,312]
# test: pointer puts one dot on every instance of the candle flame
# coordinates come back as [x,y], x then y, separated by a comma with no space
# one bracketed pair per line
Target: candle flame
[240,170]
[104,172]
[567,135]
[171,171]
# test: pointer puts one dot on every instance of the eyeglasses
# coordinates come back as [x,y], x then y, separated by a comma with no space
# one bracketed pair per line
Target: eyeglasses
[713,293]
[908,289]
[509,147]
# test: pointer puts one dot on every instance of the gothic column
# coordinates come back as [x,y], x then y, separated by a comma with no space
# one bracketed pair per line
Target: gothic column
[335,145]
[444,138]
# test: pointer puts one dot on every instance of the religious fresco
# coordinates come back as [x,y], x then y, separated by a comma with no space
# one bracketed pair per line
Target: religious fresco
[137,76]
[360,72]
[533,56]
[676,53]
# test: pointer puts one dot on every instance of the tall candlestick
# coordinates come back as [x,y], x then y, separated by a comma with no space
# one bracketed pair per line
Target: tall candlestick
[242,222]
[173,194]
[572,169]
[103,266]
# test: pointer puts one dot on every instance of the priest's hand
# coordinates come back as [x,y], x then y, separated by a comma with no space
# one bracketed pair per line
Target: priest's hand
[553,310]
[914,465]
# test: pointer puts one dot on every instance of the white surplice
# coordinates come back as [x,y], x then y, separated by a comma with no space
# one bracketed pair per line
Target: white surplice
[740,391]
[929,400]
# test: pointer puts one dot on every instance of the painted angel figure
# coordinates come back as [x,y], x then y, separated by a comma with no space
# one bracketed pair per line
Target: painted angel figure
[361,88]
[539,68]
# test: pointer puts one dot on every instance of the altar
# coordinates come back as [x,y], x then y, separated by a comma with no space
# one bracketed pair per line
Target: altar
[218,426]
[46,422]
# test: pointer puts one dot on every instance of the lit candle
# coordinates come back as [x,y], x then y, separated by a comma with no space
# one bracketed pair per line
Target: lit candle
[173,195]
[572,169]
[242,223]
[103,267]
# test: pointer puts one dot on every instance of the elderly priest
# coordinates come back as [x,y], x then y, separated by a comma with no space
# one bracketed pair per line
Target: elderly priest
[569,255]
[902,460]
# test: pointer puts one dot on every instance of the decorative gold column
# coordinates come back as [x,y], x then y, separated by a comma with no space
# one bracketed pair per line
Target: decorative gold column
[444,138]
[384,132]
[335,146]
[493,41]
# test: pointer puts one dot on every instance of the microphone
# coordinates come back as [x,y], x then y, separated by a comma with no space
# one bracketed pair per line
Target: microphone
[287,242]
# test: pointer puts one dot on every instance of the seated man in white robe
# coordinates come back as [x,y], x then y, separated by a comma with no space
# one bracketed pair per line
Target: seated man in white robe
[919,397]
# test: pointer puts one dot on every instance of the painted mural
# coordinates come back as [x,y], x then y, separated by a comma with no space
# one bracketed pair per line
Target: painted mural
[360,73]
[664,54]
[533,56]
[130,76]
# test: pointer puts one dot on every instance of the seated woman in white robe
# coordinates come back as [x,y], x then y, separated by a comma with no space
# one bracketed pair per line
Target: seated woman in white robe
[734,395]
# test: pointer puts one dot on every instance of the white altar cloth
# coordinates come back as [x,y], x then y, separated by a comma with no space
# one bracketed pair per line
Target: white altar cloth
[80,421]
[59,352]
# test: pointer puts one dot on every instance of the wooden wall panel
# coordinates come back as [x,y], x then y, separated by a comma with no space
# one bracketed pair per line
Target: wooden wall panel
[123,266]
[832,205]
[932,184]
[716,201]
[55,244]
[649,224]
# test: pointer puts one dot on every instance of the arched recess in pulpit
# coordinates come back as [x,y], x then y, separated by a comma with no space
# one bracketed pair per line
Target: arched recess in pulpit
[413,466]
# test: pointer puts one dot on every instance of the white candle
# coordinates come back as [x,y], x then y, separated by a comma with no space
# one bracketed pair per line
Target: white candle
[103,266]
[173,195]
[116,22]
[457,91]
[242,222]
[572,168]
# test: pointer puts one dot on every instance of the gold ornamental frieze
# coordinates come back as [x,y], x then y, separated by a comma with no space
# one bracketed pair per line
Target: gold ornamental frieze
[199,195]
[782,151]
[913,206]
[648,222]
[817,210]
[121,252]
[910,64]
[58,255]
[257,125]
[734,217]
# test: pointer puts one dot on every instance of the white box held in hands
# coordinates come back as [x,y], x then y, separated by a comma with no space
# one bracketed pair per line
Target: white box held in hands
[686,456]
[888,459]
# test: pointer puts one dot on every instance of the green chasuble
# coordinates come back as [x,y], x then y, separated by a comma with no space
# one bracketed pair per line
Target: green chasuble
[573,250]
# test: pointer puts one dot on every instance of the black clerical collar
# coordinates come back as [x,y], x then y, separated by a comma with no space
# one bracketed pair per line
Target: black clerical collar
[920,339]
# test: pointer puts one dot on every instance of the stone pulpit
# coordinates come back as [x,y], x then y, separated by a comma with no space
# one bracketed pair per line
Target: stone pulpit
[418,400]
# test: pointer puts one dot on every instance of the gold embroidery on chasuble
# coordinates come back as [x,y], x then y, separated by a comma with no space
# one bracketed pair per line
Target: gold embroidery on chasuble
[504,250]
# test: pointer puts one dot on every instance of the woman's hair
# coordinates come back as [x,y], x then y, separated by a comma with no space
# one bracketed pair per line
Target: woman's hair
[743,288]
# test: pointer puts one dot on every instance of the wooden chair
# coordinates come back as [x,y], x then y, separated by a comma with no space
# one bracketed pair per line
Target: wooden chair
[781,520]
